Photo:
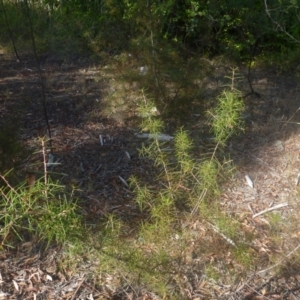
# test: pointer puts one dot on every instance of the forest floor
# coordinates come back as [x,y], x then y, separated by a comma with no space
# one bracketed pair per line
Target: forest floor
[95,146]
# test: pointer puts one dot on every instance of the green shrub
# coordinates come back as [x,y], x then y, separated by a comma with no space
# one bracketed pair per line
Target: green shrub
[42,211]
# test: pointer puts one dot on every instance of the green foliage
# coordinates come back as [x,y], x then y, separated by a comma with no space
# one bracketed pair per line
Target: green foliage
[277,225]
[143,194]
[186,185]
[227,225]
[208,173]
[240,29]
[244,255]
[183,146]
[43,211]
[226,116]
[212,272]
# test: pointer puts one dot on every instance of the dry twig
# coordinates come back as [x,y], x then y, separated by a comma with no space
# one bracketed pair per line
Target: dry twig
[270,209]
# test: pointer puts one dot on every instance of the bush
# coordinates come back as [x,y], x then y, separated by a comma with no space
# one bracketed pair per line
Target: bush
[41,210]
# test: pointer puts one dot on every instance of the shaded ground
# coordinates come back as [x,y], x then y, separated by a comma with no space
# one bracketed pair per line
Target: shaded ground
[96,149]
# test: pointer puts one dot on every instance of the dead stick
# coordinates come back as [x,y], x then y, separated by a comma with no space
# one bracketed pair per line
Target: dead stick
[280,262]
[270,209]
[78,287]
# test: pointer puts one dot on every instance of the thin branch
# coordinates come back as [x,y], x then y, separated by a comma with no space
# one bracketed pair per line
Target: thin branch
[289,120]
[44,100]
[277,24]
[280,262]
[226,238]
[45,162]
[7,183]
[203,193]
[78,287]
[270,209]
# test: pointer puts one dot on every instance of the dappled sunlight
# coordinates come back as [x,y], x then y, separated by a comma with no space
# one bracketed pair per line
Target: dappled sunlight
[149,150]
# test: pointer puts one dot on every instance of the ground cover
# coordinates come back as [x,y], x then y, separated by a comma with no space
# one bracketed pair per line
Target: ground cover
[94,120]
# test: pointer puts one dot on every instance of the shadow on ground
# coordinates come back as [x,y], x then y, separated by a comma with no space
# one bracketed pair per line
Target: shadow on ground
[97,153]
[77,93]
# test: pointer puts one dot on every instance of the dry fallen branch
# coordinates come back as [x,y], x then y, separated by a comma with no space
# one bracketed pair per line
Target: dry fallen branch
[280,262]
[226,238]
[78,287]
[270,209]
